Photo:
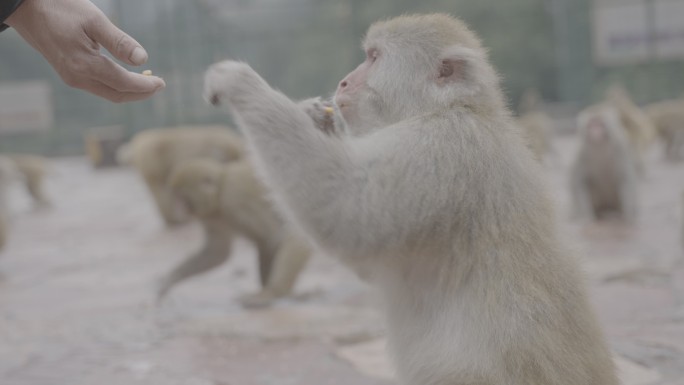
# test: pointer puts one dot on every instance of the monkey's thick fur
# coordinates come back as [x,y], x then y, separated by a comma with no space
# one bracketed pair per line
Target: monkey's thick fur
[229,200]
[155,152]
[429,193]
[604,177]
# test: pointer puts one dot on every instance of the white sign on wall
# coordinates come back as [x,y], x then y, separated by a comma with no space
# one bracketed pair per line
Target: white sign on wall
[633,31]
[26,107]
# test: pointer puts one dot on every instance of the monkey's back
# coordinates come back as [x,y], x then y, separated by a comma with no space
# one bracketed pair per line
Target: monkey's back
[244,200]
[496,288]
[156,151]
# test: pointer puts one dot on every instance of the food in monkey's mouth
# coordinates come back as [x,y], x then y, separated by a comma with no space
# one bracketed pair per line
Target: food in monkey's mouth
[147,73]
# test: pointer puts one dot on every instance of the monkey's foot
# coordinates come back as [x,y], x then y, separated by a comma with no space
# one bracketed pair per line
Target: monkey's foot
[261,299]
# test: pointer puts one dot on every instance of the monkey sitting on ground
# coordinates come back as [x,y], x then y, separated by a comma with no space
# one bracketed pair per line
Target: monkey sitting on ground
[228,199]
[668,118]
[604,176]
[32,168]
[430,193]
[155,152]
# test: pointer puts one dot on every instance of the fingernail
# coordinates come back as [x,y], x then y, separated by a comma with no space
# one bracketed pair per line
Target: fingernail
[138,56]
[162,84]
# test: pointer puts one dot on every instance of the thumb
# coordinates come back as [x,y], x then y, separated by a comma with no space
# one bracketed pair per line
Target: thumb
[117,42]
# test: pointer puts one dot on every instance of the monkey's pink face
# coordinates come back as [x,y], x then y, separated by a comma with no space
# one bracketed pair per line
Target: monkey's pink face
[351,88]
[596,129]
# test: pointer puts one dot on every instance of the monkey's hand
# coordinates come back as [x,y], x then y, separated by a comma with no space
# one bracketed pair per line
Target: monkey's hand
[231,83]
[321,112]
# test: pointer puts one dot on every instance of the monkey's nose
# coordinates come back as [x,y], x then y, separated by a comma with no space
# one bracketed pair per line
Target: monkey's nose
[343,84]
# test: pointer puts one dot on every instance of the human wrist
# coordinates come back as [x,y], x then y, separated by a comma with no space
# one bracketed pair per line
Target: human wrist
[7,8]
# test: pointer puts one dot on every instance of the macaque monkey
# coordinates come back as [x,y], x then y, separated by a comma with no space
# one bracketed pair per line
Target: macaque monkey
[155,152]
[639,127]
[668,118]
[429,193]
[32,169]
[229,199]
[604,176]
[536,125]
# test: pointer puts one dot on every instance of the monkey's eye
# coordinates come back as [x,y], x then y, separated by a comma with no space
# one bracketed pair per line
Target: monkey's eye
[372,55]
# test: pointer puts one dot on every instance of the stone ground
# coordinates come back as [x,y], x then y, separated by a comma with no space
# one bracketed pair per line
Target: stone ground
[76,303]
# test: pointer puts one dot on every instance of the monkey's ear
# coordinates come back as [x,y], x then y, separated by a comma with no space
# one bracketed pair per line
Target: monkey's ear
[451,70]
[457,63]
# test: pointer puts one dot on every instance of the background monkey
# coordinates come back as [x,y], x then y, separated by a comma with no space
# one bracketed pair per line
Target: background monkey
[155,152]
[638,126]
[228,199]
[33,169]
[431,195]
[668,118]
[604,175]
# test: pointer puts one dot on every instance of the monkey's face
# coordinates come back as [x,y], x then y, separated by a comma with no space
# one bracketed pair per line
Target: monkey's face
[414,66]
[358,101]
[598,124]
[596,130]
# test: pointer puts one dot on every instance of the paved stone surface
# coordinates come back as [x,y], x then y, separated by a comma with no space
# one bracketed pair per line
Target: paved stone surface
[77,305]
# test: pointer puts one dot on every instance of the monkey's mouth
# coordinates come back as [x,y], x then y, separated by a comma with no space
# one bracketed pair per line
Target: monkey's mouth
[342,102]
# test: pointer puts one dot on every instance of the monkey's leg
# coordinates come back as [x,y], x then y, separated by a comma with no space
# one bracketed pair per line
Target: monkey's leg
[628,200]
[677,144]
[214,253]
[582,204]
[289,262]
[640,162]
[165,203]
[267,254]
[34,185]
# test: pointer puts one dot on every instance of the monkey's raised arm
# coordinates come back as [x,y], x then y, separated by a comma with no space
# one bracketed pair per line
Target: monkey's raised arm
[320,177]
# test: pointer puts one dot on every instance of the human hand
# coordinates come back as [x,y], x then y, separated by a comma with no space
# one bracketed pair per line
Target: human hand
[70,33]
